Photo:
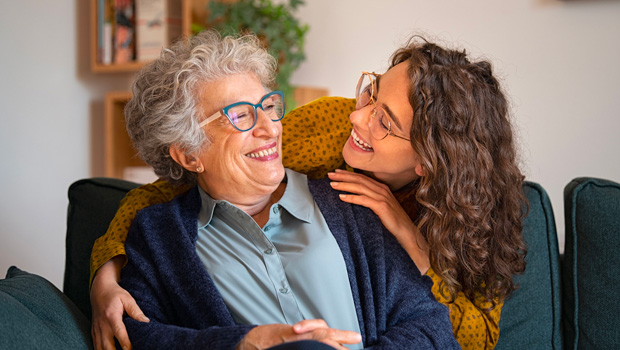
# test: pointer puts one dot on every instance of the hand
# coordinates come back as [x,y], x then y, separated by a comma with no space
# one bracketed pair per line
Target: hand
[379,198]
[266,336]
[108,301]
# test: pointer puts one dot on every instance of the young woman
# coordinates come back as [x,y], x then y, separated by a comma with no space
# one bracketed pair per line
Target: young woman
[433,146]
[434,138]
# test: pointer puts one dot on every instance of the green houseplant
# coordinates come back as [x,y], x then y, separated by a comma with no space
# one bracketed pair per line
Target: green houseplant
[274,24]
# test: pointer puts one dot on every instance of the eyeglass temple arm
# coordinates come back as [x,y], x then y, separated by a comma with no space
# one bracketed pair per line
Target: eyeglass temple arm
[211,118]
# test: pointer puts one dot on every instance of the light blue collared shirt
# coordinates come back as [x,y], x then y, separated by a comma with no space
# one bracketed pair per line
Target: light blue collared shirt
[290,270]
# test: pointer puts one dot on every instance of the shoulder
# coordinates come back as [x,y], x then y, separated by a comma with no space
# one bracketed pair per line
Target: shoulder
[182,206]
[156,192]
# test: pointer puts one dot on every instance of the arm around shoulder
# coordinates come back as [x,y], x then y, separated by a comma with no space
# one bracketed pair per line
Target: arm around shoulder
[112,243]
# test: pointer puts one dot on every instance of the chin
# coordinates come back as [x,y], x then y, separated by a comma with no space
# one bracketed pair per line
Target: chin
[276,176]
[350,158]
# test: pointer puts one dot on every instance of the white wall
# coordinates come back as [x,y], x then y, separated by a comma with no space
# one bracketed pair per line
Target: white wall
[51,114]
[559,61]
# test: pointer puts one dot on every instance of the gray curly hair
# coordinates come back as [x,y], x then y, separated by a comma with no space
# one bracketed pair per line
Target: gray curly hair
[164,109]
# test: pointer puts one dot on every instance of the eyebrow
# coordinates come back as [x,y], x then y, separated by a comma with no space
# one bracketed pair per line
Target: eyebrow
[392,115]
[387,108]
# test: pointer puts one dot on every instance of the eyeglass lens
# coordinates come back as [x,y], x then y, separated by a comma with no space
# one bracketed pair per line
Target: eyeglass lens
[243,116]
[379,124]
[365,90]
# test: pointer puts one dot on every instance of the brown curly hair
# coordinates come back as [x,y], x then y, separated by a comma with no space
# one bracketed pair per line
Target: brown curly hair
[470,201]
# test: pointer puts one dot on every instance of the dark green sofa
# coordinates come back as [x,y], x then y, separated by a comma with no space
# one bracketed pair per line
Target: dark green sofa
[36,315]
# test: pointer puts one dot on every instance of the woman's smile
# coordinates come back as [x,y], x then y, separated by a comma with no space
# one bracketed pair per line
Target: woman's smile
[359,143]
[266,153]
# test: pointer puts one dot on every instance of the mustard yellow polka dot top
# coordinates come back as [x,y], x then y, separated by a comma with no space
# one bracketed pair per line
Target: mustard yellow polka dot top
[312,140]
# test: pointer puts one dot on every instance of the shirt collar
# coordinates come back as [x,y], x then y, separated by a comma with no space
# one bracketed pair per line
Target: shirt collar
[295,200]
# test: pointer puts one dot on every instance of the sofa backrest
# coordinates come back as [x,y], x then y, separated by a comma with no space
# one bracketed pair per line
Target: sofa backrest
[591,268]
[92,205]
[531,316]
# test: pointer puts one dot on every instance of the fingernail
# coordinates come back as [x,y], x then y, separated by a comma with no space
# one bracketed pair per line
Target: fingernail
[342,196]
[333,184]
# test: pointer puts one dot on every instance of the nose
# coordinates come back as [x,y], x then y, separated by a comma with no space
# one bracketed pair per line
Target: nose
[265,126]
[361,117]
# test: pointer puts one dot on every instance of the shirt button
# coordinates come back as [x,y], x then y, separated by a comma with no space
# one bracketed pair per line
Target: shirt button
[284,290]
[267,228]
[275,210]
[269,251]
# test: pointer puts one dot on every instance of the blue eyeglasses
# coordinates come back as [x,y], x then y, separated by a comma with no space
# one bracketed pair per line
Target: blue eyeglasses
[243,115]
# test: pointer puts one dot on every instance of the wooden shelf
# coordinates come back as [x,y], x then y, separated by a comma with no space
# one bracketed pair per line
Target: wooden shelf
[118,150]
[192,11]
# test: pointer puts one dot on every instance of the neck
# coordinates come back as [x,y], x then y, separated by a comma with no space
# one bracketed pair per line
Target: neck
[395,183]
[255,204]
[261,215]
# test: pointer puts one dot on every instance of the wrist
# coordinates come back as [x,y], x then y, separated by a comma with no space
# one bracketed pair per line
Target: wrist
[110,271]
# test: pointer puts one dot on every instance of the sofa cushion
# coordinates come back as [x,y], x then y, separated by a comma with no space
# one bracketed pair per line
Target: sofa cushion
[92,205]
[34,314]
[591,268]
[531,316]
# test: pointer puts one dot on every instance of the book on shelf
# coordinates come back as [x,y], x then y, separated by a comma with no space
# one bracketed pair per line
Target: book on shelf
[136,30]
[124,34]
[158,23]
[105,31]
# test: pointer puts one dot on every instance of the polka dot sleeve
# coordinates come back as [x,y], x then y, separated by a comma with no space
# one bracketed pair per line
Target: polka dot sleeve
[313,136]
[474,327]
[112,243]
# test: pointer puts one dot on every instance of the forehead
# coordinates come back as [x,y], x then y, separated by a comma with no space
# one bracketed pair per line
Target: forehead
[393,94]
[228,90]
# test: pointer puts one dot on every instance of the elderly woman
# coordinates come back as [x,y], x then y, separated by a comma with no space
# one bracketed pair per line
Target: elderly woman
[247,259]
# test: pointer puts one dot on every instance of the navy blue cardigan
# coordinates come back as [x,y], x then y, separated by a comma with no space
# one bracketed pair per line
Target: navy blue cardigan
[395,307]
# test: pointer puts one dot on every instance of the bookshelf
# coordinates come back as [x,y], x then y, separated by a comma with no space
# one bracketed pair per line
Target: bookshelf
[192,11]
[118,151]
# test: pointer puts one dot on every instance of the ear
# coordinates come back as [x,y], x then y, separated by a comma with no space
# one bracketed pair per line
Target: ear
[187,161]
[420,170]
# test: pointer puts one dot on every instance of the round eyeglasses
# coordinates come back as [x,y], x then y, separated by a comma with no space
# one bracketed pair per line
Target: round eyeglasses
[243,115]
[379,124]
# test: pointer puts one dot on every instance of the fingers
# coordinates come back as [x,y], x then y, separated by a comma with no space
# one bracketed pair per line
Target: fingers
[103,337]
[120,332]
[361,195]
[133,310]
[361,179]
[309,325]
[319,330]
[335,336]
[358,184]
[109,302]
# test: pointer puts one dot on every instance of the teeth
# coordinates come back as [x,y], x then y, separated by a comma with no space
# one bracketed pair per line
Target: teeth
[359,142]
[263,153]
